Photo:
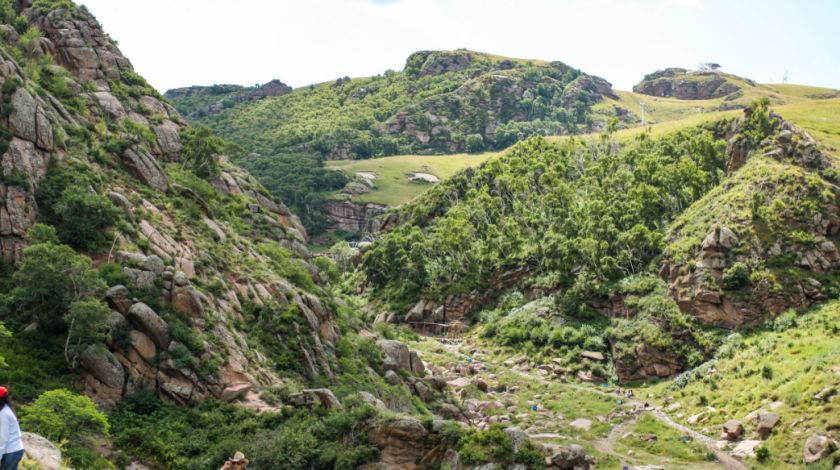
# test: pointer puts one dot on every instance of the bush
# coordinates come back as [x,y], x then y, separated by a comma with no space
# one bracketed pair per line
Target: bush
[762,454]
[478,448]
[767,371]
[83,216]
[531,455]
[475,143]
[736,277]
[60,414]
[785,321]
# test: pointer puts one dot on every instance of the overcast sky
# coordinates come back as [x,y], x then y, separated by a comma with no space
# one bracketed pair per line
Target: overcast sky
[175,43]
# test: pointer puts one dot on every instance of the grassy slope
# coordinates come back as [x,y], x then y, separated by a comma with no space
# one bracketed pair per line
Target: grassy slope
[801,360]
[820,117]
[393,187]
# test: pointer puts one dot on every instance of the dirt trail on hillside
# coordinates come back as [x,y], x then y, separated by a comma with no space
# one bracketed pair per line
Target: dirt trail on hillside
[606,445]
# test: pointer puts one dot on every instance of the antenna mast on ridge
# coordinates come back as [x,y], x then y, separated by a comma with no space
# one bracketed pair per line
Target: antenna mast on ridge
[784,78]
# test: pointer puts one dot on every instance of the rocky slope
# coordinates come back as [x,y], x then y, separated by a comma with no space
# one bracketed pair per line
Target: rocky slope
[685,85]
[197,275]
[196,102]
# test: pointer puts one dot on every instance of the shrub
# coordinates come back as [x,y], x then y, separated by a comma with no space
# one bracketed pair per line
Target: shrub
[531,455]
[736,277]
[60,414]
[83,216]
[475,143]
[767,371]
[480,447]
[762,454]
[785,321]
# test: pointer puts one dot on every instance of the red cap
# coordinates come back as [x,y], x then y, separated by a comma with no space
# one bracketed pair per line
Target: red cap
[3,392]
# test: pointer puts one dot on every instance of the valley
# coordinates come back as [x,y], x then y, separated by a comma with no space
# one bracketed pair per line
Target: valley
[466,264]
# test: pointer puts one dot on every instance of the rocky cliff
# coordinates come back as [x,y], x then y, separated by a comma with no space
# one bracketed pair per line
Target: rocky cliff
[197,274]
[352,217]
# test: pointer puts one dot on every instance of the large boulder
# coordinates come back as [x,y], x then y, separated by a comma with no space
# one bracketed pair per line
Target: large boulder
[123,203]
[416,363]
[391,378]
[144,166]
[816,448]
[402,442]
[732,429]
[317,396]
[186,299]
[571,457]
[516,437]
[449,411]
[372,400]
[119,298]
[146,320]
[144,346]
[766,422]
[104,366]
[41,450]
[592,356]
[397,351]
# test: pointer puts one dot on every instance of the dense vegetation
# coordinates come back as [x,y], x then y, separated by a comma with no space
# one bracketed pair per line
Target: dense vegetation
[295,133]
[581,214]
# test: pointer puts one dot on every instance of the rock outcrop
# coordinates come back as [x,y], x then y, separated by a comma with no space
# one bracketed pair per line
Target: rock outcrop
[816,448]
[229,94]
[320,396]
[723,246]
[42,451]
[438,63]
[351,217]
[597,87]
[685,85]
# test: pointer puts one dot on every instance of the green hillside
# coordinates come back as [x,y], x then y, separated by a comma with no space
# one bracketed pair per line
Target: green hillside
[652,248]
[442,102]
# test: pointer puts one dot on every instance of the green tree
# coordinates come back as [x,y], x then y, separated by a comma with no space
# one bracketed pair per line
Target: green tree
[82,216]
[342,253]
[87,322]
[475,143]
[200,148]
[56,286]
[61,415]
[7,12]
[29,44]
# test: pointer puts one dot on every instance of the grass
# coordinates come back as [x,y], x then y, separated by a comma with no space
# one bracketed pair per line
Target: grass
[659,110]
[669,442]
[800,360]
[392,185]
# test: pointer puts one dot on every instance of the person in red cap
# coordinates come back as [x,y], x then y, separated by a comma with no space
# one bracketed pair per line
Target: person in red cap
[11,447]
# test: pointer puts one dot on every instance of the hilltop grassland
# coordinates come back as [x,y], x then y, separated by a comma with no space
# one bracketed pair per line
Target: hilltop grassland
[392,185]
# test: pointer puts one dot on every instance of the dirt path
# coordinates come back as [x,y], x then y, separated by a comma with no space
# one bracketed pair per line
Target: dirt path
[606,445]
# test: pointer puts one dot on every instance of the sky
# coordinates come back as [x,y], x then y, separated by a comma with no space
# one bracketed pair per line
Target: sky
[177,43]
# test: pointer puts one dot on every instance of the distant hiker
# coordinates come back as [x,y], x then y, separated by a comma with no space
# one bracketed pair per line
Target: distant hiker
[10,445]
[238,462]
